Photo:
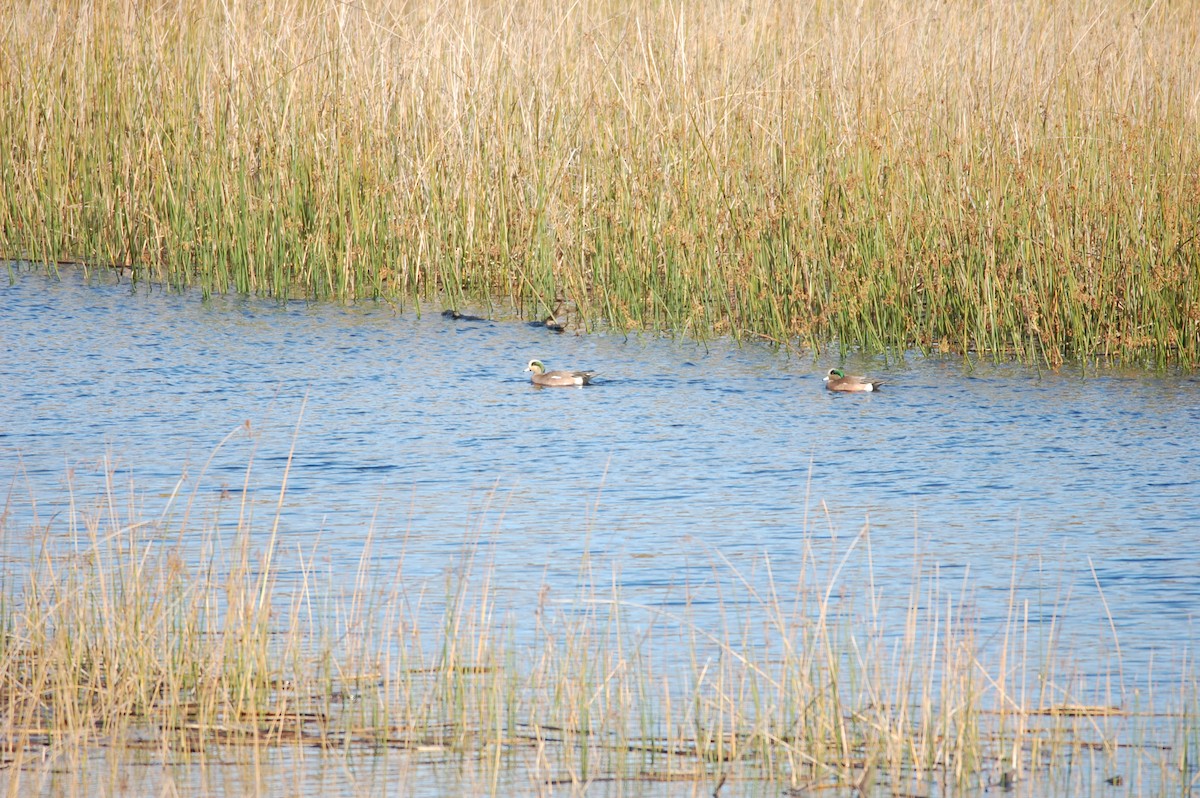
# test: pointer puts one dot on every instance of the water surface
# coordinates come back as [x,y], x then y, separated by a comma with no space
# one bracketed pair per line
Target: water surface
[1076,485]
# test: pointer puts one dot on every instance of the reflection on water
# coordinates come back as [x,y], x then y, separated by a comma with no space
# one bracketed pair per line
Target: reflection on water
[426,430]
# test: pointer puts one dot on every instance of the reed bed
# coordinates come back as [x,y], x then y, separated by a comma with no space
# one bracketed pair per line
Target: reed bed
[1018,179]
[151,640]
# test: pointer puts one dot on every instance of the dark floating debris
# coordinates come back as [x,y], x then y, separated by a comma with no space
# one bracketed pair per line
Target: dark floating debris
[454,314]
[551,324]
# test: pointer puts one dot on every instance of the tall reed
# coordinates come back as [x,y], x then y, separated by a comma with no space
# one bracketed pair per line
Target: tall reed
[128,635]
[1016,178]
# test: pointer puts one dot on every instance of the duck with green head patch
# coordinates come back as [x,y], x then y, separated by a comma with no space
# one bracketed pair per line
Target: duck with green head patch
[557,379]
[837,380]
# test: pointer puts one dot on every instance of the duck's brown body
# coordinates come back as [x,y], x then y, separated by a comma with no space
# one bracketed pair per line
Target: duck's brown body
[836,380]
[558,379]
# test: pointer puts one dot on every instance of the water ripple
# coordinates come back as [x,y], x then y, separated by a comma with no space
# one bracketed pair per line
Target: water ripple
[425,428]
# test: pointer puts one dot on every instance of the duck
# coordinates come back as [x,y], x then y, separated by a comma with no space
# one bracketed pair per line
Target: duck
[566,379]
[456,316]
[836,380]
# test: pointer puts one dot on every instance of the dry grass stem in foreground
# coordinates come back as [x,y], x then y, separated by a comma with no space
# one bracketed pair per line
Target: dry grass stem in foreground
[145,637]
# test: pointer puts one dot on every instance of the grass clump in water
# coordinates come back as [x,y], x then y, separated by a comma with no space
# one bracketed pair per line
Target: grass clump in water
[198,650]
[1016,179]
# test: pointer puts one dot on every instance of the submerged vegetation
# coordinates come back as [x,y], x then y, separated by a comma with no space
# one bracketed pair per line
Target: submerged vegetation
[1016,179]
[153,640]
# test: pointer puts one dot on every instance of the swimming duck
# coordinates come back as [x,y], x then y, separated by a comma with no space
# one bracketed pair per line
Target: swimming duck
[558,378]
[836,380]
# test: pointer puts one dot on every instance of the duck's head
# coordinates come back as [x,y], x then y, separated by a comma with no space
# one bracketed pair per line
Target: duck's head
[834,374]
[536,367]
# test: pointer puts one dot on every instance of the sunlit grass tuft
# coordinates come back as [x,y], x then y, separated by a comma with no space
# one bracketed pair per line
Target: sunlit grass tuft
[1016,179]
[130,635]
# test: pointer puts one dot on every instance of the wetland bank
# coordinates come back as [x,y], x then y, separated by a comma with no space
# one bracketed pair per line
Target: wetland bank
[1018,179]
[275,525]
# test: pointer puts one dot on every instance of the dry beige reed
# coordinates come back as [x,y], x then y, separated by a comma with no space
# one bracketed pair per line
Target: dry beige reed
[1019,179]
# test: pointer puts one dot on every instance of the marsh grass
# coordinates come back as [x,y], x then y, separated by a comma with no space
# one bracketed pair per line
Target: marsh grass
[1015,179]
[150,638]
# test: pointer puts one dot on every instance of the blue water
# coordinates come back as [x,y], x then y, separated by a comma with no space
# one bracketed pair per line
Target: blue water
[1080,486]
